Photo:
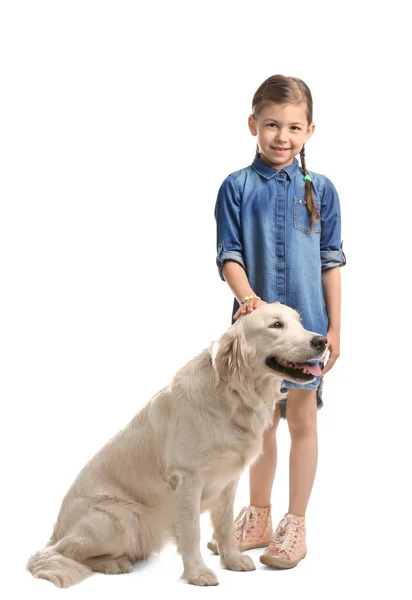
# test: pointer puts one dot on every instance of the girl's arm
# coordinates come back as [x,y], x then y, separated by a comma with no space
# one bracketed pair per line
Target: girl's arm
[236,278]
[332,294]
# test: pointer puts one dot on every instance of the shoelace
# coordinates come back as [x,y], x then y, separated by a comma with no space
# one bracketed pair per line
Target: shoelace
[285,536]
[246,520]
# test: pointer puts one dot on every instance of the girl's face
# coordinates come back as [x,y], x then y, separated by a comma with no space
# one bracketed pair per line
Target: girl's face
[281,131]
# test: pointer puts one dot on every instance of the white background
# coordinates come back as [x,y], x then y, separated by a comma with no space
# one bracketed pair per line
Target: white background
[119,121]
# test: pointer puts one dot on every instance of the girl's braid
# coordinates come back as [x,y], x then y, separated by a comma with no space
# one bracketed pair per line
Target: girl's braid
[310,203]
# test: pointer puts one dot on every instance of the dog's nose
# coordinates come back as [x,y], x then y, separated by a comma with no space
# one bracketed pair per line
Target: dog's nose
[319,342]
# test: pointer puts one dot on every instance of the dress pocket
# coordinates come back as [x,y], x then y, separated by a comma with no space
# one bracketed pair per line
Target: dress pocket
[301,216]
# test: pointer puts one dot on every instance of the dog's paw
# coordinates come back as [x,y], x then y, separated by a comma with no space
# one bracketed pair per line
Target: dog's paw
[204,576]
[119,565]
[241,562]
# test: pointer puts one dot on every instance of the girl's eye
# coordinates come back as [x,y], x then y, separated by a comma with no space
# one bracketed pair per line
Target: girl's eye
[294,127]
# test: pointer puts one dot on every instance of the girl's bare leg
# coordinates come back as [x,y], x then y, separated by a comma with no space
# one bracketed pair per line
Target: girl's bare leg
[301,415]
[262,473]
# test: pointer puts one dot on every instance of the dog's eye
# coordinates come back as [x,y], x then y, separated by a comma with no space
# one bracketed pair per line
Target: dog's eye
[277,325]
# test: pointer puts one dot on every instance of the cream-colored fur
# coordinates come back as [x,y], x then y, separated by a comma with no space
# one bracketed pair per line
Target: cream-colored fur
[182,454]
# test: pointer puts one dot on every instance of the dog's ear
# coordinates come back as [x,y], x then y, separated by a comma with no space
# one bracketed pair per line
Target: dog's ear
[230,357]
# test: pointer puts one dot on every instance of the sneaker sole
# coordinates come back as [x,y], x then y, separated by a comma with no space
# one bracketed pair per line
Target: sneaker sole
[213,547]
[271,561]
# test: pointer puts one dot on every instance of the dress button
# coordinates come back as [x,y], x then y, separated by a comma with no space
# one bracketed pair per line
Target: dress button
[282,174]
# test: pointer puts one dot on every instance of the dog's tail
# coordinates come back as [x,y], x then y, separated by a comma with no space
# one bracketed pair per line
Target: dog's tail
[57,568]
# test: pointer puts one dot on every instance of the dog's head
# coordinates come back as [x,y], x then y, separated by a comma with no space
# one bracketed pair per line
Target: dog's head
[271,339]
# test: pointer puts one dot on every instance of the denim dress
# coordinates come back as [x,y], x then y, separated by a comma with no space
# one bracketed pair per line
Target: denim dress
[263,225]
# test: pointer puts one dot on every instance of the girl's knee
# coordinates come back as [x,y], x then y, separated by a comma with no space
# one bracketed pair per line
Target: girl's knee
[276,418]
[301,413]
[302,425]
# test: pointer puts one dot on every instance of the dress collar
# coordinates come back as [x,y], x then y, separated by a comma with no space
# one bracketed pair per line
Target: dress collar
[268,172]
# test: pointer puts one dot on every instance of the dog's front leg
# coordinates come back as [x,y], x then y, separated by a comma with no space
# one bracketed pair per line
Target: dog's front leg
[222,518]
[188,532]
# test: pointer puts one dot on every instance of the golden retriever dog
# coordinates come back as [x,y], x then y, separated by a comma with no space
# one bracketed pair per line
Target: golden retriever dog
[182,454]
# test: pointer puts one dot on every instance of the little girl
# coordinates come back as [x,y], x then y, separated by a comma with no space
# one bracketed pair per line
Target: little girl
[279,239]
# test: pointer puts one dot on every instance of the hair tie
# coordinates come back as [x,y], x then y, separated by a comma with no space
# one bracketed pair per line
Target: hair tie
[308,178]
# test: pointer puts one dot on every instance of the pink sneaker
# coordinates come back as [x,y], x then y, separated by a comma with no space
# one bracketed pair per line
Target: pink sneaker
[252,529]
[288,545]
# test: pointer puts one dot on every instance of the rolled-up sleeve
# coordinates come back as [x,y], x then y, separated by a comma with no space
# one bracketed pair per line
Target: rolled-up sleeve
[229,234]
[331,252]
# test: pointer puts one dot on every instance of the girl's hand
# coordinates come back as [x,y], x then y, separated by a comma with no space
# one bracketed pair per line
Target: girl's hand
[333,337]
[248,307]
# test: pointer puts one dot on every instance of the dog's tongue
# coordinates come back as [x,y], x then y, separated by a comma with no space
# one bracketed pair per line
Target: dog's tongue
[313,368]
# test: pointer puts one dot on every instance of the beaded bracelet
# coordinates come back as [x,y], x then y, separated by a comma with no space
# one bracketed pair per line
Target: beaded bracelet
[246,298]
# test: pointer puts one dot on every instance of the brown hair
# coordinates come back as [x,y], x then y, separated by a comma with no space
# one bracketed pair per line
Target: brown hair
[288,90]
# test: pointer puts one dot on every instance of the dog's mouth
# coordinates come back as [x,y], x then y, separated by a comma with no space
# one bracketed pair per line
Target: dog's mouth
[300,371]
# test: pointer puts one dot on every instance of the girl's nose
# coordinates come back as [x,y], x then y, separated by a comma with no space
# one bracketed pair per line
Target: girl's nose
[281,135]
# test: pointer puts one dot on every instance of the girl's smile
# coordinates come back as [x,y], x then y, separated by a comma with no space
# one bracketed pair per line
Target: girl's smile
[280,150]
